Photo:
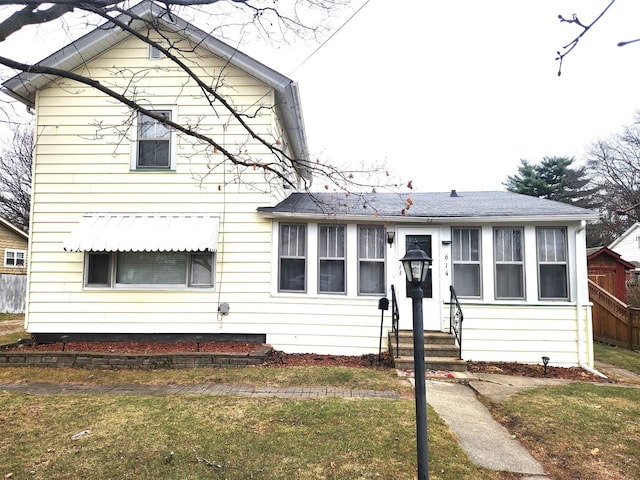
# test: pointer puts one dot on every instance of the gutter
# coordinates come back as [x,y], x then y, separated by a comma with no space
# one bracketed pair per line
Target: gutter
[582,321]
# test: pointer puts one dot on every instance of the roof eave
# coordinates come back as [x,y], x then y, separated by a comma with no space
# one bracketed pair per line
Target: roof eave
[269,213]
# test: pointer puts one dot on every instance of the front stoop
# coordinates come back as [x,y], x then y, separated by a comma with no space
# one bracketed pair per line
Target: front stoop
[440,351]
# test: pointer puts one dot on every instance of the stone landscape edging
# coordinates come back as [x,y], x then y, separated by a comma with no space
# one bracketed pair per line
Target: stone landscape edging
[121,361]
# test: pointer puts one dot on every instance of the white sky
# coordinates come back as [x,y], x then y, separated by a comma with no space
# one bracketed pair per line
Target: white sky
[452,94]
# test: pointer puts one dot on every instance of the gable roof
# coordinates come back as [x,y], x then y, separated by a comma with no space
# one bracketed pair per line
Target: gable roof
[23,87]
[595,252]
[436,205]
[14,229]
[626,234]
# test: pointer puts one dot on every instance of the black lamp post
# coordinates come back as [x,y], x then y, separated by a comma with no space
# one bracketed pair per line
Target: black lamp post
[416,265]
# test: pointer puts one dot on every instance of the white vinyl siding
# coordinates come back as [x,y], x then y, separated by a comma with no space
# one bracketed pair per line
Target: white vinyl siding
[552,263]
[83,164]
[331,258]
[509,262]
[371,260]
[466,262]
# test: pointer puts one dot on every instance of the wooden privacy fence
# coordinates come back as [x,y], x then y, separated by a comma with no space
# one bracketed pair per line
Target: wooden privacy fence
[13,291]
[613,321]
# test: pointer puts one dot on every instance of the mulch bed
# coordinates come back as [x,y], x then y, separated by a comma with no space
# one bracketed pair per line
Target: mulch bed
[141,347]
[281,359]
[535,371]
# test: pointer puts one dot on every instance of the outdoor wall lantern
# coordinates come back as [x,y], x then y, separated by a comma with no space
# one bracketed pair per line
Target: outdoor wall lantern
[416,265]
[390,237]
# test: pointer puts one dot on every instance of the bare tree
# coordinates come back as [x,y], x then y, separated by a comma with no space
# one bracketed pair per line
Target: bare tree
[614,165]
[273,21]
[15,178]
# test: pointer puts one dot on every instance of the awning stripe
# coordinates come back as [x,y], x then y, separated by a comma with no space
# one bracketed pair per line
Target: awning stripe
[144,232]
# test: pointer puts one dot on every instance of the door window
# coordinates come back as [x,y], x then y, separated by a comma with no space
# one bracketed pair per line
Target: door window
[423,242]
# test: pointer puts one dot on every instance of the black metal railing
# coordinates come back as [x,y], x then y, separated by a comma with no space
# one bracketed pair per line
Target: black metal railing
[455,319]
[395,318]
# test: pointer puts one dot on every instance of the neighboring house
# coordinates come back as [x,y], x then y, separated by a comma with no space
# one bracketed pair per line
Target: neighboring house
[13,269]
[627,245]
[609,270]
[120,249]
[13,249]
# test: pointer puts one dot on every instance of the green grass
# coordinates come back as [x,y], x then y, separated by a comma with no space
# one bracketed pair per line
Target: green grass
[133,437]
[11,328]
[581,430]
[620,357]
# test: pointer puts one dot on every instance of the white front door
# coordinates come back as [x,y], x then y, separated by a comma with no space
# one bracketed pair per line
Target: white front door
[428,240]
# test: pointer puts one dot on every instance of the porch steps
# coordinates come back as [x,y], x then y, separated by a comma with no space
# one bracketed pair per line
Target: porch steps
[440,351]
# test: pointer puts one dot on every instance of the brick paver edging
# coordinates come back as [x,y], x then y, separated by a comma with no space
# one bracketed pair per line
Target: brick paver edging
[198,389]
[109,361]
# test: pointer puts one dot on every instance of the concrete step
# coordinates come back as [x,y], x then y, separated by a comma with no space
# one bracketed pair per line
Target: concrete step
[447,364]
[429,337]
[430,350]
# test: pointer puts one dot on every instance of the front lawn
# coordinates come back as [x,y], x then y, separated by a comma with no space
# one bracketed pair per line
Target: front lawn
[201,437]
[580,431]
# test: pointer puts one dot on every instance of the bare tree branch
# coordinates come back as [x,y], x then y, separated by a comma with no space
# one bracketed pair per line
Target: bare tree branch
[568,48]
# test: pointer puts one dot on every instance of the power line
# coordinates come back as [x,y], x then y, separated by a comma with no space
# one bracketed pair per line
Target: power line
[331,36]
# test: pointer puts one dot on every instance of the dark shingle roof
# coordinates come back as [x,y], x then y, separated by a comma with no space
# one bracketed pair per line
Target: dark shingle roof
[428,205]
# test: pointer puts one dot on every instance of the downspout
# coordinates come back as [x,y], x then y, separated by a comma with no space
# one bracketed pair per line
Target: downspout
[582,322]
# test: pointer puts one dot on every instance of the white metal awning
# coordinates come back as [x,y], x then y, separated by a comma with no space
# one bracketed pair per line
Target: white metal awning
[144,232]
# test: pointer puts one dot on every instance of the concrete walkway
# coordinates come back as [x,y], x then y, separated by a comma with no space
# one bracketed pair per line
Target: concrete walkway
[198,389]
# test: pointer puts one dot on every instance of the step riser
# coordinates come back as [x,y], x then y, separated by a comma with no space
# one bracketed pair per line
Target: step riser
[428,351]
[447,366]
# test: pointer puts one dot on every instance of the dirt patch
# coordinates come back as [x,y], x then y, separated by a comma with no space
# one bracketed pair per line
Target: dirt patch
[535,371]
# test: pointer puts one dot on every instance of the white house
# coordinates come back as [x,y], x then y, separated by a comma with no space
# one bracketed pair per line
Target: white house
[140,234]
[627,246]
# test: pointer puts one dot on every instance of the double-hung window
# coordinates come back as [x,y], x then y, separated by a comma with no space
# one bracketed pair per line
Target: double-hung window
[371,256]
[150,269]
[331,258]
[466,261]
[153,142]
[509,262]
[552,263]
[292,256]
[14,258]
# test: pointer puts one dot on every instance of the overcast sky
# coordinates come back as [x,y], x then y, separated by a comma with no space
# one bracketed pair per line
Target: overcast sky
[452,94]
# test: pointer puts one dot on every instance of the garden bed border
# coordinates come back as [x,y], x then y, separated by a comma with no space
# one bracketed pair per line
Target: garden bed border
[124,361]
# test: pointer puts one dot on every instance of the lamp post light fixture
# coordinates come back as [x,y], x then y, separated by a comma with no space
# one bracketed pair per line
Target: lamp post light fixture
[416,265]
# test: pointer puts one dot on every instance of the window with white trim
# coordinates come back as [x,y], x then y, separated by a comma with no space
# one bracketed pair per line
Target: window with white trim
[150,269]
[292,258]
[371,260]
[331,259]
[553,275]
[153,143]
[14,258]
[509,262]
[466,262]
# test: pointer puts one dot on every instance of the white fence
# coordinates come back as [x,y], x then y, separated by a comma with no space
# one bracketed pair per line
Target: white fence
[13,291]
